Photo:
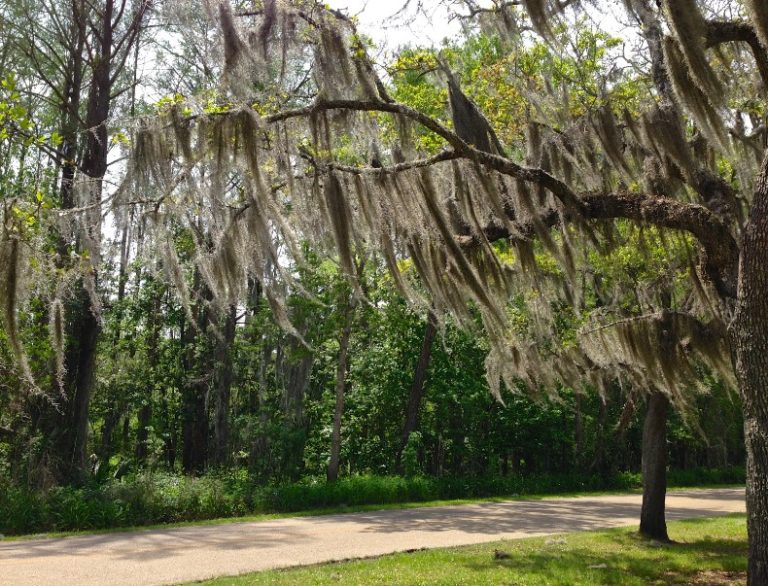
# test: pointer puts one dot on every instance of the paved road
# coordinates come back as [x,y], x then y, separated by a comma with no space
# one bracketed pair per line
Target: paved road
[169,556]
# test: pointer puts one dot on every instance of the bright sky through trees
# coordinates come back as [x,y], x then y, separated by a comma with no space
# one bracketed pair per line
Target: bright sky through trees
[390,30]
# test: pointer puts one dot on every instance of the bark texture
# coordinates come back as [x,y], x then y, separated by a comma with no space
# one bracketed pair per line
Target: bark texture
[749,342]
[652,518]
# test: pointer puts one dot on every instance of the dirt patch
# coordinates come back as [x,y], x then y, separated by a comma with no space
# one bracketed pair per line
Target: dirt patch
[718,578]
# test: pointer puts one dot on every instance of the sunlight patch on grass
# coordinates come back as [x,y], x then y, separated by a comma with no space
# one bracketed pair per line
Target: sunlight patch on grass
[704,547]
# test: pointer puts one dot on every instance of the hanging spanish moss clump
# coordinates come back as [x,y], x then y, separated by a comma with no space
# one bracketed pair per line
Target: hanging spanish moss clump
[662,351]
[234,46]
[611,138]
[11,284]
[503,21]
[538,11]
[657,179]
[468,122]
[172,267]
[689,27]
[664,134]
[698,101]
[56,331]
[340,219]
[268,22]
[334,66]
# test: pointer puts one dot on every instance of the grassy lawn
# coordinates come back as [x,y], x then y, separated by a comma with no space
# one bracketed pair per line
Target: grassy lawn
[708,552]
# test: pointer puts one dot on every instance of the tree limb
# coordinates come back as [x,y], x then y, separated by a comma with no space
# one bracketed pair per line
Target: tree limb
[727,31]
[720,247]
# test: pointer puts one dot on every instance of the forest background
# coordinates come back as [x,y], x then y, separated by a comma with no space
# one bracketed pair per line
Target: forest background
[180,409]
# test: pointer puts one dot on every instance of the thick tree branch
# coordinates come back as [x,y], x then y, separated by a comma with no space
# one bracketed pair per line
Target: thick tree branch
[720,250]
[719,246]
[726,31]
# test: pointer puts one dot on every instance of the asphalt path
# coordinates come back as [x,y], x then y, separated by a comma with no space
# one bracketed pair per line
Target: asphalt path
[170,556]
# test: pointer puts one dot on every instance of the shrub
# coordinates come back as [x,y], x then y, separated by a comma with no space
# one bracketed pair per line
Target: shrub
[146,498]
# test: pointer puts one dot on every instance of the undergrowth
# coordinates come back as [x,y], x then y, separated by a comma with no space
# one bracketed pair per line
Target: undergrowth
[154,498]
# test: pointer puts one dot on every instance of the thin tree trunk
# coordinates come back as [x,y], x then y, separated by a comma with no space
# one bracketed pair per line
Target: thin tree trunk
[111,419]
[70,428]
[749,342]
[260,445]
[194,455]
[598,462]
[341,389]
[112,415]
[87,325]
[153,360]
[578,432]
[142,431]
[224,376]
[652,520]
[416,393]
[194,418]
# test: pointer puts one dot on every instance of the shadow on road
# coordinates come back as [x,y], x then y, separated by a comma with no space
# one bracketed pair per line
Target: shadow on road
[520,518]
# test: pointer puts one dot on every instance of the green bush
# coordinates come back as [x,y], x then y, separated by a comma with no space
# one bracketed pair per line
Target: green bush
[146,499]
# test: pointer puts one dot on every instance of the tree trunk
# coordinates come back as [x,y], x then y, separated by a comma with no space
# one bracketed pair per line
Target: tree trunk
[749,342]
[86,325]
[69,429]
[142,431]
[578,432]
[194,421]
[599,460]
[259,455]
[153,360]
[341,389]
[417,388]
[194,425]
[224,376]
[652,520]
[82,368]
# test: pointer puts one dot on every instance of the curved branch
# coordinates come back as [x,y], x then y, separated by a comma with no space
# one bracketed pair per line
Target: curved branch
[727,31]
[721,251]
[462,149]
[322,105]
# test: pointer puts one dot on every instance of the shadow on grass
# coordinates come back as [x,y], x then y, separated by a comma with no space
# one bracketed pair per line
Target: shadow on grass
[626,558]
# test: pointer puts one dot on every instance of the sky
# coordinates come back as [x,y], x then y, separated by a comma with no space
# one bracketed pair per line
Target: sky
[378,20]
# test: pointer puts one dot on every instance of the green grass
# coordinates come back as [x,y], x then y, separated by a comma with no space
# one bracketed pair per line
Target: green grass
[612,557]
